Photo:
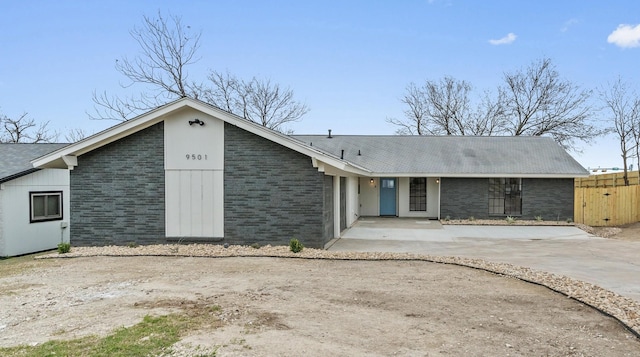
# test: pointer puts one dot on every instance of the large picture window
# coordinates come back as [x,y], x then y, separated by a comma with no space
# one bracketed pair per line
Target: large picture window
[418,194]
[505,196]
[45,206]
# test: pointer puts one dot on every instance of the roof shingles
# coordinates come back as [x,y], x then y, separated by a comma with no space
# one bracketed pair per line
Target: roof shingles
[451,155]
[15,159]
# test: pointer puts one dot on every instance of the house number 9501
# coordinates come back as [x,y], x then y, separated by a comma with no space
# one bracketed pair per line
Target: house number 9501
[196,157]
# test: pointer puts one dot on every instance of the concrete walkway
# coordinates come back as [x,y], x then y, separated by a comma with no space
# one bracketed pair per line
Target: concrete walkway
[608,263]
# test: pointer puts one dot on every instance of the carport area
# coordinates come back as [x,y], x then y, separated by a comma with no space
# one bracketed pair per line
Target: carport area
[608,263]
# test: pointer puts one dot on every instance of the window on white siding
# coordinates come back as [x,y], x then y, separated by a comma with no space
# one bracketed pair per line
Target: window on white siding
[45,206]
[418,194]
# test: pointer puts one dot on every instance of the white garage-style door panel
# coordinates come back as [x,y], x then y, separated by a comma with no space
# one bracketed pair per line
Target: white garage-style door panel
[196,208]
[194,183]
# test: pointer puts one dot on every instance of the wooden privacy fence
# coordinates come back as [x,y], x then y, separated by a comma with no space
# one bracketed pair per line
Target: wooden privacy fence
[603,200]
[607,180]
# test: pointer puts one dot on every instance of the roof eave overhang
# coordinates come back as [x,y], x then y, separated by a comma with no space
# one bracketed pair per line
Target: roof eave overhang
[343,168]
[56,159]
[318,157]
[17,175]
[477,175]
[61,158]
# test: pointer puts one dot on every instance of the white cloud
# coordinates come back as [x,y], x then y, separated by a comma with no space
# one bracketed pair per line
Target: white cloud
[508,39]
[568,24]
[625,36]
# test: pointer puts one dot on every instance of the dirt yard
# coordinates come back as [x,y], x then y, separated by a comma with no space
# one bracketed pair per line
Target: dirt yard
[311,307]
[627,232]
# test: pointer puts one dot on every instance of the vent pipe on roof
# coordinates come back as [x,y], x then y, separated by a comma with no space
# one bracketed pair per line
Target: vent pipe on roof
[329,134]
[359,154]
[342,155]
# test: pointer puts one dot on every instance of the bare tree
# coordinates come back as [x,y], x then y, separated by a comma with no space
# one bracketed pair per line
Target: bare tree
[225,93]
[75,135]
[448,105]
[415,115]
[444,107]
[635,132]
[489,117]
[623,110]
[539,102]
[25,130]
[271,105]
[533,102]
[167,48]
[258,100]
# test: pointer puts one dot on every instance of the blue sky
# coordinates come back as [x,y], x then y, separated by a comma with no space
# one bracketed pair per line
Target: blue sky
[349,61]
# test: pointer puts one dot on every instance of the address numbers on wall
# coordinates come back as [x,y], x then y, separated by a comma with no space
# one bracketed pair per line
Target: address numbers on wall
[196,157]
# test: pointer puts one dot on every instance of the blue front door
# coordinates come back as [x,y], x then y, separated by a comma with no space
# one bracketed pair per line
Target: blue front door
[387,196]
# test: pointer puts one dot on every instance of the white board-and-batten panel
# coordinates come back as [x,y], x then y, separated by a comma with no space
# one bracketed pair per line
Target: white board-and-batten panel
[192,209]
[194,180]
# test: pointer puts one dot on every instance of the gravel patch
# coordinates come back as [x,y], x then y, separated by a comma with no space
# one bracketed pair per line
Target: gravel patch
[625,310]
[504,222]
[603,232]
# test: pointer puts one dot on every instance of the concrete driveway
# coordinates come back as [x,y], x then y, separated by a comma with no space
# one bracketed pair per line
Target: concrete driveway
[608,263]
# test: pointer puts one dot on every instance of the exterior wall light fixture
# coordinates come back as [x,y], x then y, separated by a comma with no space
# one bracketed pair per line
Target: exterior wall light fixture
[196,121]
[372,181]
[437,180]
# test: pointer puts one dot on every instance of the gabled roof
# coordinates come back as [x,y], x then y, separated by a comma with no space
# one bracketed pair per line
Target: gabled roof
[452,156]
[391,155]
[66,157]
[15,159]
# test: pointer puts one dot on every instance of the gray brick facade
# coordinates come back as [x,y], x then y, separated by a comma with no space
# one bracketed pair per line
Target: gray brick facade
[461,198]
[464,197]
[117,192]
[272,193]
[550,198]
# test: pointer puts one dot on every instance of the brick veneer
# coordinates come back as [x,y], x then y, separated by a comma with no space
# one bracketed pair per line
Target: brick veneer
[117,192]
[547,197]
[272,193]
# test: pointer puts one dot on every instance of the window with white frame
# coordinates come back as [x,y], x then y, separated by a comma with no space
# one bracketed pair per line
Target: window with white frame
[45,206]
[418,194]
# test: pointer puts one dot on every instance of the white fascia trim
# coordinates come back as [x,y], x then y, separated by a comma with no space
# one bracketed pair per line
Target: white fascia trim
[344,169]
[111,134]
[156,115]
[282,139]
[505,175]
[295,145]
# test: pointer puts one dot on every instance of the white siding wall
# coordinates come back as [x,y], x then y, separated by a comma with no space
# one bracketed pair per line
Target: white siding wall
[17,234]
[194,206]
[433,192]
[194,185]
[353,199]
[336,207]
[369,197]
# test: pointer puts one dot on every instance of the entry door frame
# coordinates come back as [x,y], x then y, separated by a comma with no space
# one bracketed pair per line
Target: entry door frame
[388,196]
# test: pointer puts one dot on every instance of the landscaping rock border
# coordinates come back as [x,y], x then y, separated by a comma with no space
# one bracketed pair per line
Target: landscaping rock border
[623,309]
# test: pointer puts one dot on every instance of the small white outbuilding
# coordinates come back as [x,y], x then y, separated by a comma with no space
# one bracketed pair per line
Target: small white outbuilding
[34,203]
